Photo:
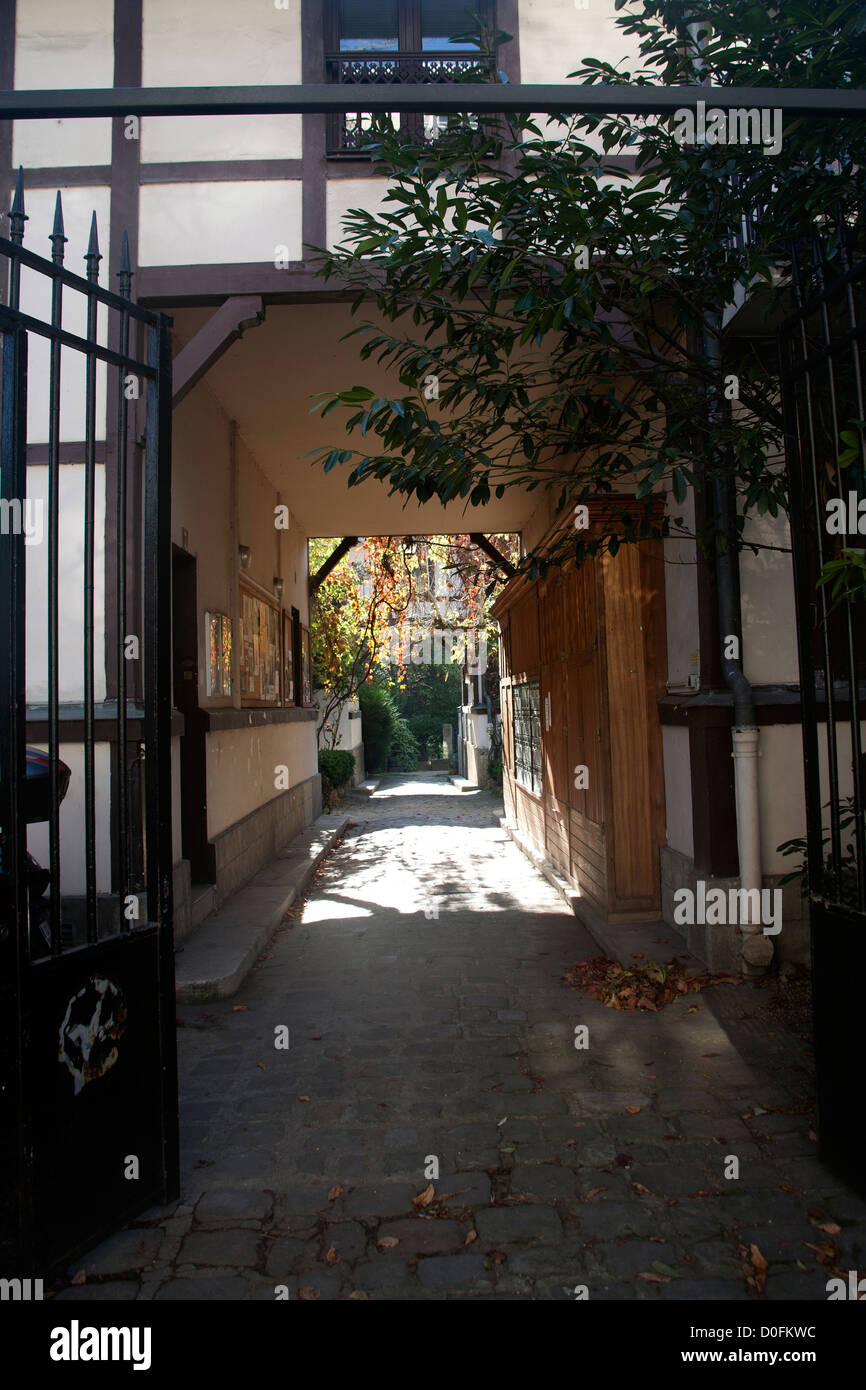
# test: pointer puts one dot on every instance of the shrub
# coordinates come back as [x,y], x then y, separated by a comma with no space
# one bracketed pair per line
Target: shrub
[337,765]
[380,717]
[434,746]
[404,746]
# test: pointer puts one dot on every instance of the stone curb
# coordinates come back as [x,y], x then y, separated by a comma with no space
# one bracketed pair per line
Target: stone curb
[462,784]
[218,956]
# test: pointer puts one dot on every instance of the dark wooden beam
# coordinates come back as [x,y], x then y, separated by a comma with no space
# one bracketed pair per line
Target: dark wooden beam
[492,553]
[212,340]
[333,559]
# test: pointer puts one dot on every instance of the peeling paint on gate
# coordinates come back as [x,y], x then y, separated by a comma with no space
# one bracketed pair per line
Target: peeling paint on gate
[95,1019]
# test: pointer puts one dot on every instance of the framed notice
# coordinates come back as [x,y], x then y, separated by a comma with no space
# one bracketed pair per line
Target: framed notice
[260,649]
[306,667]
[288,661]
[219,661]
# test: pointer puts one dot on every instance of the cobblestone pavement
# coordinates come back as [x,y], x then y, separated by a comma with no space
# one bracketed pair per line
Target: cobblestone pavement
[416,1036]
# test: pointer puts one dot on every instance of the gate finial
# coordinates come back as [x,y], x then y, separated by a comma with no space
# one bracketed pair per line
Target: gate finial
[124,275]
[17,216]
[57,237]
[92,255]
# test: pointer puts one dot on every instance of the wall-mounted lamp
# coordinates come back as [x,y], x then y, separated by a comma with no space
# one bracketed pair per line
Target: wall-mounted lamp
[244,555]
[278,587]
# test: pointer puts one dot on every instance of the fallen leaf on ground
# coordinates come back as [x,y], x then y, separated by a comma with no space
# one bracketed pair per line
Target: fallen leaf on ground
[632,1109]
[309,1292]
[650,986]
[261,1065]
[595,1191]
[661,1268]
[786,1187]
[501,1122]
[424,1198]
[471,1235]
[388,1242]
[239,1008]
[642,1191]
[755,1270]
[497,1257]
[303,1098]
[829,1227]
[654,1278]
[335,1192]
[332,1257]
[360,1294]
[79,1278]
[826,1251]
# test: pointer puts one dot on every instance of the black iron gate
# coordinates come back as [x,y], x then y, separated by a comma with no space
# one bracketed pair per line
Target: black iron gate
[88,1129]
[822,351]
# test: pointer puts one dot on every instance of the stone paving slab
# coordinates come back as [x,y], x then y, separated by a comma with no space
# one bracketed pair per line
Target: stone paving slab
[432,1046]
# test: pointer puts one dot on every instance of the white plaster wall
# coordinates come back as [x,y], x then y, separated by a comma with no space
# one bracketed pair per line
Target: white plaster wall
[210,223]
[63,44]
[782,797]
[767,588]
[200,504]
[350,735]
[215,43]
[678,789]
[78,206]
[256,501]
[241,768]
[240,762]
[555,37]
[681,599]
[70,587]
[72,847]
[343,194]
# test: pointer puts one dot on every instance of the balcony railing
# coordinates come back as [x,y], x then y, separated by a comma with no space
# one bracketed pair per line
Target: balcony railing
[351,131]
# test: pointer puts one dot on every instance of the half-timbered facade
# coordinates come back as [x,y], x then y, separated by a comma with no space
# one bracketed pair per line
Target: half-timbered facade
[614,668]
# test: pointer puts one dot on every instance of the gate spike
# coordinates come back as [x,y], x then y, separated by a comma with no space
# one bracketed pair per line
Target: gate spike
[17,216]
[93,255]
[57,237]
[124,275]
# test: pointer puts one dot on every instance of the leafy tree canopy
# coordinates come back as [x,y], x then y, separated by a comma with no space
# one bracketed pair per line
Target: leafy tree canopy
[548,293]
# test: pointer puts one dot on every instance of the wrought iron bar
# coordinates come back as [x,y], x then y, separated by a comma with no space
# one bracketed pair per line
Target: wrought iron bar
[58,241]
[857,764]
[124,276]
[481,97]
[92,258]
[836,425]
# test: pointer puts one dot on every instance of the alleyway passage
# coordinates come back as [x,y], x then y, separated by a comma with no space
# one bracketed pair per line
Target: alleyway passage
[422,992]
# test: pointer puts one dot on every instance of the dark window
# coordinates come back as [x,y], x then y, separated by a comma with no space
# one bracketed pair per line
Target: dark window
[389,41]
[526,726]
[367,25]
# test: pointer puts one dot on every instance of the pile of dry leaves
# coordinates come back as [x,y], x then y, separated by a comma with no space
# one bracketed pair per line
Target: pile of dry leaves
[648,986]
